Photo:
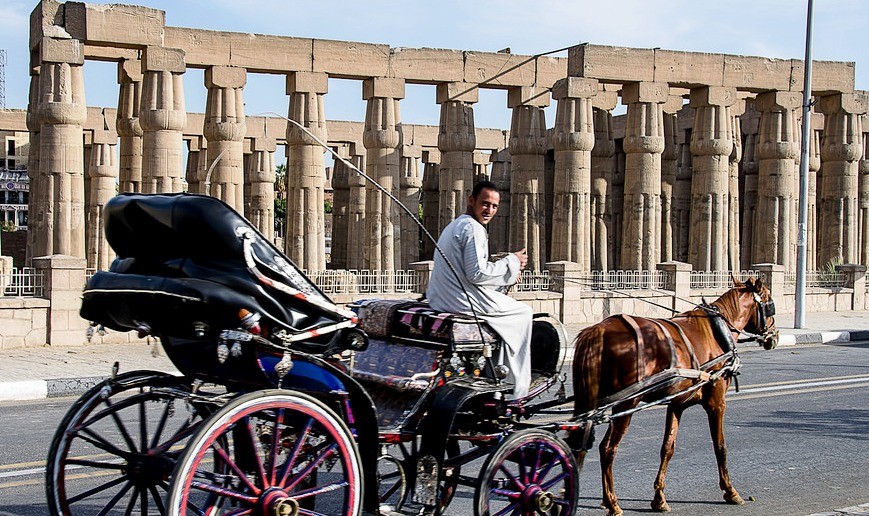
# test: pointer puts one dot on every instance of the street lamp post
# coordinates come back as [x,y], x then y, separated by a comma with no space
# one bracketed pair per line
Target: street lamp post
[800,294]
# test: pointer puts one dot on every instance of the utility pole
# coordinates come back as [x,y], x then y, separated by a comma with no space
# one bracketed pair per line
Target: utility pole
[800,292]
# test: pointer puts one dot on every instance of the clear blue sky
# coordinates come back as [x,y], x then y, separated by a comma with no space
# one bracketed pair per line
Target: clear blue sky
[770,28]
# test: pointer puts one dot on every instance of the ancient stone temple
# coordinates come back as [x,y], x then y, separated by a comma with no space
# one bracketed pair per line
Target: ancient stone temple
[652,156]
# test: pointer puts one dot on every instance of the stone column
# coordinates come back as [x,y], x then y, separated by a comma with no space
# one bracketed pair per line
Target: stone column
[711,146]
[863,201]
[602,172]
[841,149]
[643,144]
[162,116]
[36,222]
[410,188]
[197,165]
[356,221]
[669,158]
[382,137]
[225,129]
[749,123]
[103,172]
[340,208]
[778,144]
[733,244]
[430,199]
[812,197]
[260,179]
[305,239]
[499,226]
[128,126]
[456,141]
[573,140]
[617,201]
[528,141]
[62,111]
[682,188]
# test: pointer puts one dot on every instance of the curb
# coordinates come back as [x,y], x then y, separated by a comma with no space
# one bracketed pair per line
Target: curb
[821,337]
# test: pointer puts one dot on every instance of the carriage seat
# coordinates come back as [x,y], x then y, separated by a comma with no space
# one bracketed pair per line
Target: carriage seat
[405,318]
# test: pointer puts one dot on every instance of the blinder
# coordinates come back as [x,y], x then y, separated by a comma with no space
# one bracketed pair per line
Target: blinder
[765,309]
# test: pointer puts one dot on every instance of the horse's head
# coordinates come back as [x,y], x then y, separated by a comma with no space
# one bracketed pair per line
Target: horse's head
[762,320]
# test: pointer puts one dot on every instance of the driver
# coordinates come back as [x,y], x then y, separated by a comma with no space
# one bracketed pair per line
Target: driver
[465,244]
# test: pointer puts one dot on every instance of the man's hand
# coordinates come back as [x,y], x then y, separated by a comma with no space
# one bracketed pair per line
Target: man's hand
[523,258]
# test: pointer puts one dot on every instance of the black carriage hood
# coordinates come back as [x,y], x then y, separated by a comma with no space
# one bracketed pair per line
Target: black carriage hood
[172,243]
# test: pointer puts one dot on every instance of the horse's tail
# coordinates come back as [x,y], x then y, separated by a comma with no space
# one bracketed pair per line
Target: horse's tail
[587,362]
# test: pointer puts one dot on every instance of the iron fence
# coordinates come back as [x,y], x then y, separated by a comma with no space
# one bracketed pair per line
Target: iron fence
[821,278]
[365,281]
[533,281]
[719,280]
[23,282]
[624,280]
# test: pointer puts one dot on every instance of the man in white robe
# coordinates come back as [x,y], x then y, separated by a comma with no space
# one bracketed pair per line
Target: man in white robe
[465,244]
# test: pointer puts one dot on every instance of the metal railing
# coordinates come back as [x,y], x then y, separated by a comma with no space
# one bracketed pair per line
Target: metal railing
[23,282]
[533,281]
[624,280]
[366,281]
[821,278]
[701,280]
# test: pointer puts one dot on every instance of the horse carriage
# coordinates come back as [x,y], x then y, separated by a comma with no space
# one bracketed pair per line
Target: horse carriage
[289,404]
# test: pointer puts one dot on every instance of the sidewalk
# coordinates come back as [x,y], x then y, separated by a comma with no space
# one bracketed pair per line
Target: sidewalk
[46,372]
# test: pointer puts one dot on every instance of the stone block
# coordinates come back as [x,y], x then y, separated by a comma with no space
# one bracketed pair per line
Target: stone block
[689,69]
[129,71]
[163,59]
[351,60]
[645,92]
[384,87]
[46,19]
[673,105]
[225,77]
[261,53]
[53,50]
[528,96]
[828,77]
[574,88]
[771,100]
[201,47]
[614,64]
[713,96]
[114,24]
[105,137]
[427,64]
[307,82]
[606,100]
[194,123]
[264,144]
[431,156]
[97,53]
[498,70]
[756,73]
[457,91]
[411,151]
[851,103]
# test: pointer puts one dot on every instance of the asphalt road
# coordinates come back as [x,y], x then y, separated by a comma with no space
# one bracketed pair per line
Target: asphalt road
[797,435]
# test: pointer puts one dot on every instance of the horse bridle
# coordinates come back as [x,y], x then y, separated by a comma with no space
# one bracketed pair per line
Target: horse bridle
[765,309]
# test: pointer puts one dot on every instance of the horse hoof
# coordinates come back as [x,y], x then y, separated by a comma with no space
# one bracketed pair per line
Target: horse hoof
[734,499]
[660,506]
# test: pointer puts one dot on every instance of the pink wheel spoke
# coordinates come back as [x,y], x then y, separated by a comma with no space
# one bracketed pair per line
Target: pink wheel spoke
[229,462]
[543,473]
[325,454]
[314,491]
[294,454]
[256,456]
[273,467]
[511,477]
[98,489]
[511,495]
[239,512]
[534,470]
[555,480]
[507,510]
[223,491]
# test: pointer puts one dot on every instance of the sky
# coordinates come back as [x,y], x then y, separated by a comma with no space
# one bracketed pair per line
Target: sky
[769,28]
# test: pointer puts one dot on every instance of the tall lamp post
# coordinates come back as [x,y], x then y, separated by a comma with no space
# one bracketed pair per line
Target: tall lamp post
[800,294]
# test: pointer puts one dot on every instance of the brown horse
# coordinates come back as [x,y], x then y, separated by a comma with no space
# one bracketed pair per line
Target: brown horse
[625,362]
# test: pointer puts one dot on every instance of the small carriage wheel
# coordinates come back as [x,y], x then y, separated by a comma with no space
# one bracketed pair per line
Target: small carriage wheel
[391,482]
[116,447]
[530,472]
[269,452]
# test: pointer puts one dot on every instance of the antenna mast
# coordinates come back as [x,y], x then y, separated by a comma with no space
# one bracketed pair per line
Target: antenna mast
[2,78]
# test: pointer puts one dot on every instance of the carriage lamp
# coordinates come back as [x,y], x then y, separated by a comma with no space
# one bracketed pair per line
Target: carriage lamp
[501,371]
[356,339]
[250,321]
[200,329]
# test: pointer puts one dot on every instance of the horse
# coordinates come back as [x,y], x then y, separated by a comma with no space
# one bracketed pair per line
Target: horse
[625,363]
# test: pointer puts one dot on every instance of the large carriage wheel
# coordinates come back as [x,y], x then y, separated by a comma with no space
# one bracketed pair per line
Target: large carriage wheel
[269,452]
[531,472]
[117,445]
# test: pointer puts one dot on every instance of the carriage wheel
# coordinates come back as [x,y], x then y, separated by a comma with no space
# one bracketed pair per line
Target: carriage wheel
[114,450]
[269,452]
[530,472]
[391,482]
[448,480]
